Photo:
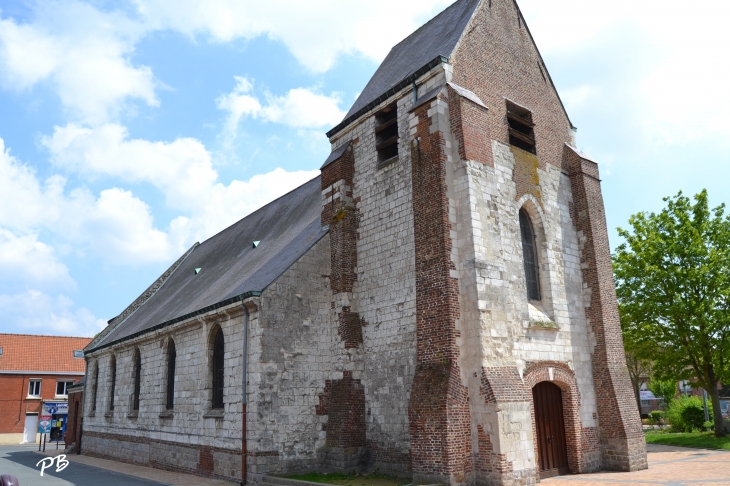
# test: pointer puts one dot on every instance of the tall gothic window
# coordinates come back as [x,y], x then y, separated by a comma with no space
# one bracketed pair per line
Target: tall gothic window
[96,386]
[218,350]
[171,355]
[529,256]
[137,378]
[114,382]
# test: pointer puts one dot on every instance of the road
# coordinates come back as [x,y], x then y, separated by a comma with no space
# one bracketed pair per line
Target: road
[20,461]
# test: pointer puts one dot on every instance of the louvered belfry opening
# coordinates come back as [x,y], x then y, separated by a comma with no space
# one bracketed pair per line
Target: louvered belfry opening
[137,379]
[529,256]
[218,350]
[171,355]
[521,127]
[386,134]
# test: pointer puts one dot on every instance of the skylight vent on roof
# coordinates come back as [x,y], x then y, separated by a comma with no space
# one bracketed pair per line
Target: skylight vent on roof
[521,133]
[1,351]
[197,270]
[78,353]
[256,244]
[386,135]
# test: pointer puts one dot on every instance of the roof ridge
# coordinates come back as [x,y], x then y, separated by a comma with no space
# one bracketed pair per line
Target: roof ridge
[43,335]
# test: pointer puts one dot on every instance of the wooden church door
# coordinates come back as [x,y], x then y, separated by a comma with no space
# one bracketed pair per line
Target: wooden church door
[551,447]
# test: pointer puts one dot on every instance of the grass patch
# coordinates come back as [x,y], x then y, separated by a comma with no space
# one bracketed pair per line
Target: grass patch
[373,479]
[695,439]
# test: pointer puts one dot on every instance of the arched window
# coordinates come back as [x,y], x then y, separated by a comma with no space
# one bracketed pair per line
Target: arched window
[218,350]
[96,386]
[529,256]
[171,355]
[113,370]
[137,378]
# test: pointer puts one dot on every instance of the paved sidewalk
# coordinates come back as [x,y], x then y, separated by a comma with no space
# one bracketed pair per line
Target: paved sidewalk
[151,474]
[668,465]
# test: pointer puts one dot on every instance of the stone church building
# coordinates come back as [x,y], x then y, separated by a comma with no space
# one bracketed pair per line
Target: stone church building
[439,303]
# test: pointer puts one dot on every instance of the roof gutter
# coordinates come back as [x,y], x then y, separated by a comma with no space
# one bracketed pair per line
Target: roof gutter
[204,310]
[35,372]
[244,374]
[405,82]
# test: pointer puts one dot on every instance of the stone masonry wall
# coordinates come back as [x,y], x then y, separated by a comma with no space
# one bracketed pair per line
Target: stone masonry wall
[622,441]
[384,292]
[189,439]
[294,352]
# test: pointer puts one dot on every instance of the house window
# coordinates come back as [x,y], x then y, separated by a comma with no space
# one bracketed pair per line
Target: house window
[137,379]
[34,388]
[62,388]
[78,353]
[114,382]
[386,135]
[96,385]
[218,351]
[171,355]
[521,133]
[529,256]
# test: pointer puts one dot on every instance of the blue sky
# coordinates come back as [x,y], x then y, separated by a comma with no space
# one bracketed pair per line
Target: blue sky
[132,129]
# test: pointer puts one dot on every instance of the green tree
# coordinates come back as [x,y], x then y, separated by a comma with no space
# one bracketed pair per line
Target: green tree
[664,389]
[673,284]
[637,356]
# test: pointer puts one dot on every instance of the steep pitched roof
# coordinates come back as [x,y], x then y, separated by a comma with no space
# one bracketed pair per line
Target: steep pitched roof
[438,37]
[431,44]
[230,267]
[48,354]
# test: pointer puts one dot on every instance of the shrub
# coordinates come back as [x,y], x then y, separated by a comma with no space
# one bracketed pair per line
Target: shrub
[686,414]
[656,416]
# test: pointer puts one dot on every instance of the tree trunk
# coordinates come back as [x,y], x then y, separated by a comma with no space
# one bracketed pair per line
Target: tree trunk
[717,412]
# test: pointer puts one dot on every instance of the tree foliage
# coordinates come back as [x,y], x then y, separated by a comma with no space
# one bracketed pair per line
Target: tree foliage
[664,389]
[673,284]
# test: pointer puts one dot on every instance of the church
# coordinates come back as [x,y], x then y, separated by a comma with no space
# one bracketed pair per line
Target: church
[438,304]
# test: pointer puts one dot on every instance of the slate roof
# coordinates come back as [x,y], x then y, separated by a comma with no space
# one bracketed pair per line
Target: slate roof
[436,38]
[45,354]
[230,267]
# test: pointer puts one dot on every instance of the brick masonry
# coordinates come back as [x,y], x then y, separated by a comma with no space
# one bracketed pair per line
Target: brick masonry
[621,436]
[403,340]
[439,406]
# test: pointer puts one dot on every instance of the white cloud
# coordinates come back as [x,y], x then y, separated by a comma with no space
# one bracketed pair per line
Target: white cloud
[316,31]
[116,226]
[35,312]
[300,108]
[668,62]
[182,170]
[25,259]
[83,52]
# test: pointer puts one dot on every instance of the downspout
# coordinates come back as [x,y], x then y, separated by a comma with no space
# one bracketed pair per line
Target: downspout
[80,425]
[244,448]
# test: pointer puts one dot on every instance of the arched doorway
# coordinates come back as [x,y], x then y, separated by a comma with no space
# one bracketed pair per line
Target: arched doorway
[551,445]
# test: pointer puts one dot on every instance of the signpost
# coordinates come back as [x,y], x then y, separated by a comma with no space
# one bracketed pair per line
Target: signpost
[44,424]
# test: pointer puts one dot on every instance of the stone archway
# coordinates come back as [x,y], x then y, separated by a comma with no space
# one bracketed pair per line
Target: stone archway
[562,376]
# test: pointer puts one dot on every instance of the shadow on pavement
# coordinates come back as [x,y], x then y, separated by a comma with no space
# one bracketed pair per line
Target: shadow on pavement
[20,461]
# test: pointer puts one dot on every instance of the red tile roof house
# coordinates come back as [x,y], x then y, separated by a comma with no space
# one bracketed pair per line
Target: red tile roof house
[35,372]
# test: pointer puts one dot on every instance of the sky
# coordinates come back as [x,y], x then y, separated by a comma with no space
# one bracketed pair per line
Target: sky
[131,129]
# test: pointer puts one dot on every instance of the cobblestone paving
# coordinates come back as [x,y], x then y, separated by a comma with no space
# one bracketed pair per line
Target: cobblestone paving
[668,465]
